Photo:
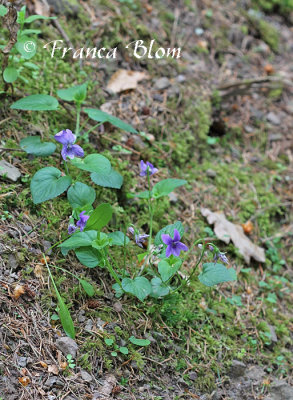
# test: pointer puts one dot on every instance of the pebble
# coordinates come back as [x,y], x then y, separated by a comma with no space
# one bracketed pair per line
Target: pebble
[238,369]
[67,346]
[158,97]
[162,83]
[181,78]
[273,118]
[85,376]
[22,362]
[89,325]
[9,171]
[211,173]
[173,197]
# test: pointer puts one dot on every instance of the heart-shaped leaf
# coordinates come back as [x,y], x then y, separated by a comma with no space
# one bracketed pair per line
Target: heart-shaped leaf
[140,287]
[33,145]
[75,93]
[93,163]
[111,180]
[169,230]
[159,289]
[88,256]
[166,186]
[213,274]
[80,195]
[79,239]
[10,74]
[118,238]
[167,270]
[48,183]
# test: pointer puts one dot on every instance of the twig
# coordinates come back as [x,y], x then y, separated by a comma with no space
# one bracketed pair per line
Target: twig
[249,82]
[62,32]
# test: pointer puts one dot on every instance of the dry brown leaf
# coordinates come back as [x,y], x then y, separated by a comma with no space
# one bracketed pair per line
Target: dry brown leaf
[124,79]
[18,291]
[43,364]
[38,271]
[227,231]
[42,8]
[24,380]
[53,369]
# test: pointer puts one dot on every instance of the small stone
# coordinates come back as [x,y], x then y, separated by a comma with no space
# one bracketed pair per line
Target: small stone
[89,325]
[65,7]
[193,376]
[85,376]
[238,369]
[173,197]
[211,173]
[50,381]
[12,262]
[162,83]
[248,128]
[138,142]
[67,346]
[22,362]
[47,246]
[181,78]
[117,306]
[158,97]
[9,171]
[274,338]
[273,118]
[280,390]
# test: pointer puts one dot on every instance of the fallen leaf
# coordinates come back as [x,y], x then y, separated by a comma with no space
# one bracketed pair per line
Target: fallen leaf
[43,261]
[124,79]
[43,364]
[247,227]
[269,69]
[38,271]
[18,291]
[24,380]
[63,365]
[227,231]
[42,8]
[53,369]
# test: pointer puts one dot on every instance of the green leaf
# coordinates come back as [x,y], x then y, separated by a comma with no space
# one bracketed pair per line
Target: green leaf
[139,287]
[26,46]
[93,163]
[159,289]
[118,238]
[114,354]
[75,93]
[101,116]
[80,194]
[166,186]
[123,350]
[139,342]
[10,74]
[33,145]
[87,287]
[79,239]
[109,342]
[3,10]
[33,18]
[167,270]
[118,290]
[65,318]
[48,183]
[169,230]
[110,179]
[100,217]
[140,195]
[36,102]
[88,256]
[213,274]
[30,32]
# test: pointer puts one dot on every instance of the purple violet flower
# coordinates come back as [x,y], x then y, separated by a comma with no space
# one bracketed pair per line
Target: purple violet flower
[139,239]
[71,229]
[222,257]
[69,149]
[174,246]
[82,221]
[144,167]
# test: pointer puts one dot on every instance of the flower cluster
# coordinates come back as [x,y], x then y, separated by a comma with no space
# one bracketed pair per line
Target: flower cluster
[174,246]
[69,149]
[139,239]
[81,223]
[146,168]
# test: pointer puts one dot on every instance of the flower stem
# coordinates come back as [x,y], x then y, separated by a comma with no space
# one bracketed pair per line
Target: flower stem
[111,269]
[78,107]
[66,168]
[151,211]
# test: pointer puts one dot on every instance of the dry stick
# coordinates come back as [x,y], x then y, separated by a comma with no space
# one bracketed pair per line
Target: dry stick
[249,82]
[62,32]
